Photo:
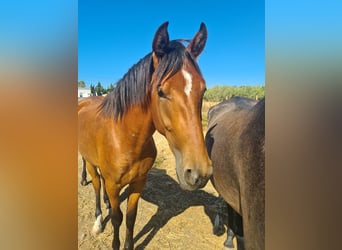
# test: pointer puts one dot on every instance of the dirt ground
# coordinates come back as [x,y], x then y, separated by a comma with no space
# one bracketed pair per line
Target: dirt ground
[168,217]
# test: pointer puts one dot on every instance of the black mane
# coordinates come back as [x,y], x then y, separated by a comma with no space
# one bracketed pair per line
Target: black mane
[135,86]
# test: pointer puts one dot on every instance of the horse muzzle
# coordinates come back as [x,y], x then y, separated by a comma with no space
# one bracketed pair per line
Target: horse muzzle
[193,179]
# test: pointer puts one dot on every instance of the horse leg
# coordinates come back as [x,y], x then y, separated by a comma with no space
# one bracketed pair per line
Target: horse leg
[135,190]
[97,228]
[105,195]
[228,244]
[240,242]
[113,192]
[223,208]
[84,173]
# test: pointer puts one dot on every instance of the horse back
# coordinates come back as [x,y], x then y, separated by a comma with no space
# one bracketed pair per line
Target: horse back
[85,102]
[233,104]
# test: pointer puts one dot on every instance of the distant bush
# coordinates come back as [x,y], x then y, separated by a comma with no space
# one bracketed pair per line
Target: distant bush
[220,93]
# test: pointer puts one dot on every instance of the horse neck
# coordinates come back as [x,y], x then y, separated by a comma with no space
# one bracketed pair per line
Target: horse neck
[139,122]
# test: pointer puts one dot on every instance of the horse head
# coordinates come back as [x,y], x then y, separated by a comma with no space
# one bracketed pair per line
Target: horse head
[176,98]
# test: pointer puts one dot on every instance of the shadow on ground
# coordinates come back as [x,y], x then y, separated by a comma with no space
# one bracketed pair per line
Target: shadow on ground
[171,200]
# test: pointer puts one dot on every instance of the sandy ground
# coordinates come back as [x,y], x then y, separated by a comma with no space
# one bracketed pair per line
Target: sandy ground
[168,217]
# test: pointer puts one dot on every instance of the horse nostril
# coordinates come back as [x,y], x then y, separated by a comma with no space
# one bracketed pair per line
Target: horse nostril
[191,176]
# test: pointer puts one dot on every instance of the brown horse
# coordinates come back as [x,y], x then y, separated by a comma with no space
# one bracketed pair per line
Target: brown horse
[162,92]
[235,143]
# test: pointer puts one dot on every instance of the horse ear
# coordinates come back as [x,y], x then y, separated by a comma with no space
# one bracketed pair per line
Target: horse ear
[197,44]
[161,40]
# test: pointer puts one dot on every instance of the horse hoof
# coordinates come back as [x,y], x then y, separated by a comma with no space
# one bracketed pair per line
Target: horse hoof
[97,228]
[228,245]
[227,248]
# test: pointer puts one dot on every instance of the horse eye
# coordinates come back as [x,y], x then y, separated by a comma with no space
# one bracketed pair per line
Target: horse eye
[161,93]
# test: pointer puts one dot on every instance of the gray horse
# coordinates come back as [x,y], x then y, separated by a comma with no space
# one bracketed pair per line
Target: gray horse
[235,143]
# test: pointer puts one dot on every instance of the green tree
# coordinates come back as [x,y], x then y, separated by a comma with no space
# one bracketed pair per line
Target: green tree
[81,84]
[110,88]
[220,93]
[92,89]
[99,90]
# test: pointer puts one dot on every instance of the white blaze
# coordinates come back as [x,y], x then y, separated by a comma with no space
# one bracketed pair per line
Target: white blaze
[188,82]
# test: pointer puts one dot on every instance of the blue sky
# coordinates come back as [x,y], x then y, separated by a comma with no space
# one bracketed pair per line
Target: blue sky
[114,35]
